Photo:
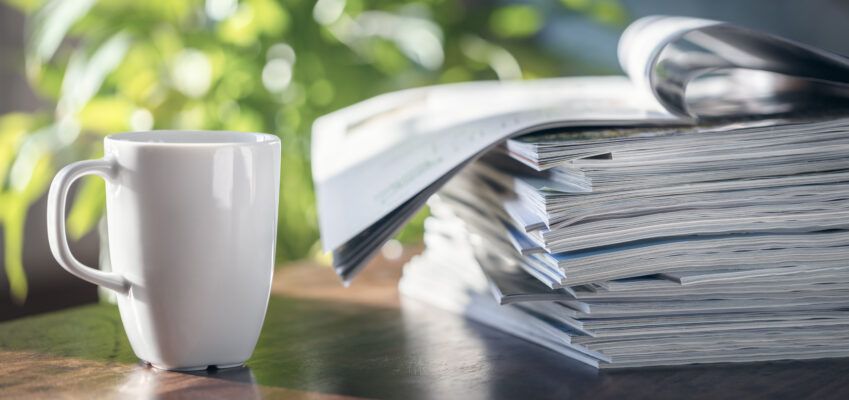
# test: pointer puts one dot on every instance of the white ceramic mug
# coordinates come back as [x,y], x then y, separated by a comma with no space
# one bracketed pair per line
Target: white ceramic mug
[192,221]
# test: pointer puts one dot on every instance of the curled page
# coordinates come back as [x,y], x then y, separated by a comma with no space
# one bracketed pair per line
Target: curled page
[664,55]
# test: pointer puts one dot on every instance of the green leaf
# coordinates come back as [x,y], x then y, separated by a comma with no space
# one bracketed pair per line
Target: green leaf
[106,115]
[412,231]
[515,21]
[25,6]
[14,218]
[271,18]
[85,75]
[610,12]
[42,174]
[577,5]
[240,28]
[87,208]
[47,28]
[13,127]
[14,206]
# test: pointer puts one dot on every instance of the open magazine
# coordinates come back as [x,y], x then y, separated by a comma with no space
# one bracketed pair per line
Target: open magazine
[377,162]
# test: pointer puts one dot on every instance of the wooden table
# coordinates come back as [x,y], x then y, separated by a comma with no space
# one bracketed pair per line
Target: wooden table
[323,341]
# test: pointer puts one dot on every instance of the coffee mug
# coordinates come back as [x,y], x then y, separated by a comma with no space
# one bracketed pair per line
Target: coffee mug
[192,222]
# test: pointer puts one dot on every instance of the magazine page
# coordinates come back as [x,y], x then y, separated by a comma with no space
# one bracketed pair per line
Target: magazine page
[750,72]
[372,158]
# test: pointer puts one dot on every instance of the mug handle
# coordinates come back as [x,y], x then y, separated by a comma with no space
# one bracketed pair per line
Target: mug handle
[56,199]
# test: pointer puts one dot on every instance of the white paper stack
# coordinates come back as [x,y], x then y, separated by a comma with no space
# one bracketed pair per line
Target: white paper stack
[691,250]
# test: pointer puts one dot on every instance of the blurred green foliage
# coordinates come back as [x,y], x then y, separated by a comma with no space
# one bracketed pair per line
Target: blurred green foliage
[515,21]
[271,66]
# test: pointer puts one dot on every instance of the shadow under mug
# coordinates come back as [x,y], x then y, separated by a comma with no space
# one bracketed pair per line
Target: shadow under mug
[192,221]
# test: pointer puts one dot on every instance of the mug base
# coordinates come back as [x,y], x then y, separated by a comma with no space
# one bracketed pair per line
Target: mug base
[195,368]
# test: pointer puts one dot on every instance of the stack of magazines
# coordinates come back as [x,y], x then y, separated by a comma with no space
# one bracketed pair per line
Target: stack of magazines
[671,247]
[694,212]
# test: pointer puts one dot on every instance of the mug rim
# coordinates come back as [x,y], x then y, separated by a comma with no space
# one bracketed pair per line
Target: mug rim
[174,137]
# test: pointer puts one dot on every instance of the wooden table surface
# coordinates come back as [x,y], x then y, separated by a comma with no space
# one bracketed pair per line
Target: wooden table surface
[323,341]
